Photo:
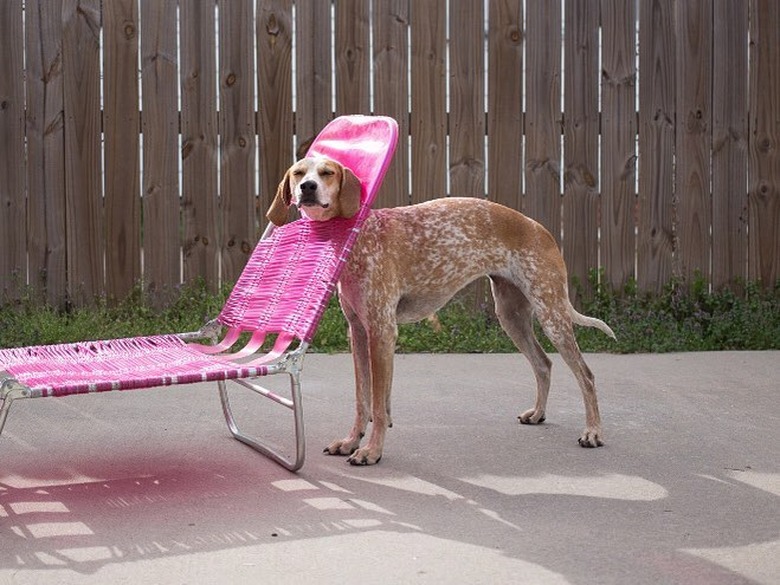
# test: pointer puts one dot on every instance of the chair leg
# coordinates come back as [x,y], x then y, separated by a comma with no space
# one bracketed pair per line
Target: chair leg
[10,390]
[292,367]
[6,406]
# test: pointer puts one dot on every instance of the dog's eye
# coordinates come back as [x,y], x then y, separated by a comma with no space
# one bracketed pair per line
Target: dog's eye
[298,173]
[327,172]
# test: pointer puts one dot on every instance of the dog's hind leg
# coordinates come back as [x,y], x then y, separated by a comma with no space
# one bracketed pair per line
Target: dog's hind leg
[515,314]
[557,325]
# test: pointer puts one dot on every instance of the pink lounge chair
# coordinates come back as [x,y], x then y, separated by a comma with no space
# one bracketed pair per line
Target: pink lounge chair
[282,291]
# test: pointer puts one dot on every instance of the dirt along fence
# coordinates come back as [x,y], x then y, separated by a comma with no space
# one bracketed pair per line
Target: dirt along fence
[141,141]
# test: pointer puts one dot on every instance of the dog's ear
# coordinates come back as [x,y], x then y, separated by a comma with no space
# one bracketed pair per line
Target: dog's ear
[278,212]
[349,196]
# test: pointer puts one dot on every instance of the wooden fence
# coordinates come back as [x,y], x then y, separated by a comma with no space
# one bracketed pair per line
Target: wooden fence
[141,140]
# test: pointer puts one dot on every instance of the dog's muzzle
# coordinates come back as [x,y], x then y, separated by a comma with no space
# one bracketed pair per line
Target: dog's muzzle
[308,195]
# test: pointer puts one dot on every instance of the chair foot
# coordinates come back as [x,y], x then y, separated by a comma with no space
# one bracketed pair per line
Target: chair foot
[10,390]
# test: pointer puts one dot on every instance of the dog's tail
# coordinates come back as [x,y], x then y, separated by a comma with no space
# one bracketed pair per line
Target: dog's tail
[590,322]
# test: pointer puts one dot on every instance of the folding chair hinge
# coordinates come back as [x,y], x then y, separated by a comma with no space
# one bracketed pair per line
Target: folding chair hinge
[209,331]
[11,388]
[293,361]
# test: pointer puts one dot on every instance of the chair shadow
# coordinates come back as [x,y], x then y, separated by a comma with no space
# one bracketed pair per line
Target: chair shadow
[168,505]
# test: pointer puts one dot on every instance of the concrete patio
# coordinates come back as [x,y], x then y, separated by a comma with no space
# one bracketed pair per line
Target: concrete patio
[148,487]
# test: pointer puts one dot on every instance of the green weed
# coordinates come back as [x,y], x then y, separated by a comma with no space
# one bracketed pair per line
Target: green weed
[681,318]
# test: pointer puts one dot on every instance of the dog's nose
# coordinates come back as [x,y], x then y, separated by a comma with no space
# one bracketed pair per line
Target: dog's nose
[309,187]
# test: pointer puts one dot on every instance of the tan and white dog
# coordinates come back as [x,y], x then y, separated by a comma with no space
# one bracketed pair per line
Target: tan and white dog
[409,261]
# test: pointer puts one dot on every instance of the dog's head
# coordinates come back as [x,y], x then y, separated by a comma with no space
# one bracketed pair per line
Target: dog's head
[320,188]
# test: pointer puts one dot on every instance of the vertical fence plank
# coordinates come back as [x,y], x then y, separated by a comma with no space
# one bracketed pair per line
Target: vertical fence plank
[200,217]
[467,112]
[505,102]
[764,172]
[581,142]
[391,91]
[352,57]
[428,115]
[83,193]
[656,144]
[159,79]
[467,103]
[13,261]
[120,124]
[45,150]
[618,140]
[274,95]
[313,108]
[543,114]
[237,131]
[694,111]
[729,143]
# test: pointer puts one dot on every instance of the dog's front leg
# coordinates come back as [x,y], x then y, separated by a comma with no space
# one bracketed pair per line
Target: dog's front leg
[381,345]
[360,359]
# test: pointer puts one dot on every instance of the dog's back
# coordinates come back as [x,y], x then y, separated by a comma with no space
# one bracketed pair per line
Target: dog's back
[417,257]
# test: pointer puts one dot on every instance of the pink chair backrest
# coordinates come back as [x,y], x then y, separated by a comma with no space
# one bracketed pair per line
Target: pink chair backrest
[291,274]
[364,144]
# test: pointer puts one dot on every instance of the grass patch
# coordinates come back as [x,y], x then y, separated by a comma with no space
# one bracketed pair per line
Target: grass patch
[687,318]
[679,319]
[25,322]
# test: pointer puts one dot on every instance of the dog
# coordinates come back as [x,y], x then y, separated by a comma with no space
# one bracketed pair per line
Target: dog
[408,262]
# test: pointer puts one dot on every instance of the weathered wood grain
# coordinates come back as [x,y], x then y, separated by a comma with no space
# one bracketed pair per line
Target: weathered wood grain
[581,141]
[44,127]
[237,136]
[391,91]
[160,183]
[655,243]
[13,233]
[353,57]
[199,143]
[729,143]
[543,115]
[313,84]
[764,171]
[693,136]
[121,145]
[505,102]
[85,239]
[618,135]
[274,90]
[467,99]
[429,106]
[477,97]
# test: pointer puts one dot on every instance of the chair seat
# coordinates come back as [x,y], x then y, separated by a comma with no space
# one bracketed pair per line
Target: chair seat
[118,364]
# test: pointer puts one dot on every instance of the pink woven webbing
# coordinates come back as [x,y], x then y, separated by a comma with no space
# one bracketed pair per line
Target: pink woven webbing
[288,278]
[117,364]
[291,275]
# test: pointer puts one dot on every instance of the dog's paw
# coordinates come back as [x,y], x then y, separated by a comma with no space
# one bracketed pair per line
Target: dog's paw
[590,438]
[365,456]
[532,417]
[343,447]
